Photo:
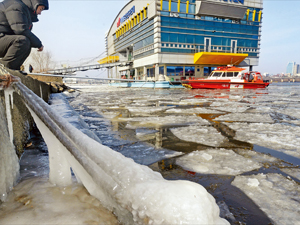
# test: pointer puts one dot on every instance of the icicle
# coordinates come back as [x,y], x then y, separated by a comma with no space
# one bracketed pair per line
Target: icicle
[41,91]
[60,171]
[8,101]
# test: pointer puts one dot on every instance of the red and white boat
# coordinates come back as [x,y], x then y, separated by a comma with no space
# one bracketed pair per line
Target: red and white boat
[227,78]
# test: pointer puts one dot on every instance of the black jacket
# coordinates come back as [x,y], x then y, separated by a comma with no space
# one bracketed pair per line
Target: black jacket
[16,17]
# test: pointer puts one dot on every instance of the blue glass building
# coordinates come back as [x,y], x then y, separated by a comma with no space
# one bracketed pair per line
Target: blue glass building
[290,68]
[180,38]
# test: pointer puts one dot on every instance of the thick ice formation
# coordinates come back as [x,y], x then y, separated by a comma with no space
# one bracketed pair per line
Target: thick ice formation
[277,136]
[220,161]
[9,166]
[200,134]
[36,201]
[284,206]
[245,117]
[134,192]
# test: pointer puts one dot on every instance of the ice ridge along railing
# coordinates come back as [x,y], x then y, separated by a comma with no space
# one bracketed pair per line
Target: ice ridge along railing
[135,193]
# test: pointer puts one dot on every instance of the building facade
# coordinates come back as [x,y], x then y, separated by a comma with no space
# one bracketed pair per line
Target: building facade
[181,39]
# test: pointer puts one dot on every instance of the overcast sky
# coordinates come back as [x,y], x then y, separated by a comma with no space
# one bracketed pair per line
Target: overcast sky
[74,31]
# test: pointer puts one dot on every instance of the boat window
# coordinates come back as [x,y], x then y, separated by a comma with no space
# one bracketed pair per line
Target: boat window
[216,74]
[235,74]
[229,74]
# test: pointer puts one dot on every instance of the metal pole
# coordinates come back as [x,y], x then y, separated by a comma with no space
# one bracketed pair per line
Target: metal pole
[92,78]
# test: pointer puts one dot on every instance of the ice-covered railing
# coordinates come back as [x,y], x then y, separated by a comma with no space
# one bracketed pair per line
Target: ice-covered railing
[135,193]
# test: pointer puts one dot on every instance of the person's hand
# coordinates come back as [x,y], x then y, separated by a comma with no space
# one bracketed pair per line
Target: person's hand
[41,49]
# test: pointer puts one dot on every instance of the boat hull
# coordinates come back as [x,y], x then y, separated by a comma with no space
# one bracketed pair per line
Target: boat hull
[207,84]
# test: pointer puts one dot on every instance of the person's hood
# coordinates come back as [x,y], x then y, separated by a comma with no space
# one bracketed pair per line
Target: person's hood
[33,4]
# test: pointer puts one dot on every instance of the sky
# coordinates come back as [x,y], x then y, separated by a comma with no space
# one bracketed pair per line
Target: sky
[73,31]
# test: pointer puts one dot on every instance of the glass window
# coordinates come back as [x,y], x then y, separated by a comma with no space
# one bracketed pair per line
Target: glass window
[217,74]
[182,7]
[190,39]
[165,6]
[229,74]
[165,37]
[161,70]
[178,71]
[173,37]
[189,71]
[150,72]
[174,6]
[170,70]
[192,9]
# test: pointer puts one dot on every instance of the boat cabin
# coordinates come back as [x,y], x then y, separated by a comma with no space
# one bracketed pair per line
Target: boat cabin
[228,72]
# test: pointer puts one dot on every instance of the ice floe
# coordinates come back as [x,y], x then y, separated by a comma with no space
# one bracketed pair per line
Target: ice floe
[284,138]
[275,194]
[217,161]
[199,110]
[156,121]
[246,117]
[205,135]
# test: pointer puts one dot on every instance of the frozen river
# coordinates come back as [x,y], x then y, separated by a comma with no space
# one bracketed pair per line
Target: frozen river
[241,145]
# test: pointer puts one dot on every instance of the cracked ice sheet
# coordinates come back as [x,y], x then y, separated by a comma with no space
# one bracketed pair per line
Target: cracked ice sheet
[146,110]
[229,106]
[246,117]
[205,135]
[199,110]
[294,172]
[221,161]
[283,138]
[285,194]
[292,112]
[137,122]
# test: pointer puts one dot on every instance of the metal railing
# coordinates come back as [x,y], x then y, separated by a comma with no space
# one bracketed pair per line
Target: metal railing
[133,192]
[85,68]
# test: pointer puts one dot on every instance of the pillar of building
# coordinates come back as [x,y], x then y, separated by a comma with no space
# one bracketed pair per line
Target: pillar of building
[145,73]
[156,71]
[117,75]
[136,74]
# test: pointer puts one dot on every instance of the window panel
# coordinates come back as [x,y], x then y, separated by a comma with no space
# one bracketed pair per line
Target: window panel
[165,37]
[182,7]
[173,37]
[165,6]
[174,6]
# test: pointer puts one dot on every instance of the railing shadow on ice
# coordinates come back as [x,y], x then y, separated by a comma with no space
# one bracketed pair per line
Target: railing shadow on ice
[135,193]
